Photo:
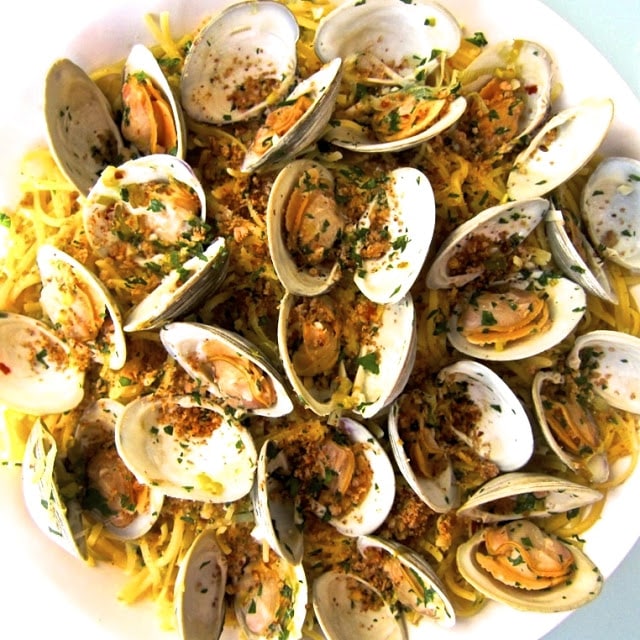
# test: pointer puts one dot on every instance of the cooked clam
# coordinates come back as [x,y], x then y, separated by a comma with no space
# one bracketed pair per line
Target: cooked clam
[560,148]
[524,567]
[228,367]
[311,337]
[83,135]
[187,447]
[240,62]
[520,494]
[610,202]
[80,307]
[152,117]
[39,372]
[296,124]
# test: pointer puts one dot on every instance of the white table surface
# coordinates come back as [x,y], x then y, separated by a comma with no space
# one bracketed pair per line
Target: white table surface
[613,27]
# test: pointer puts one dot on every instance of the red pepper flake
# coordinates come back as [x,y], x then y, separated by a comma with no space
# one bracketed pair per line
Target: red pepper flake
[4,368]
[531,89]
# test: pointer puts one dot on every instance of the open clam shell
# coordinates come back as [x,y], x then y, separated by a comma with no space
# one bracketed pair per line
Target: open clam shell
[240,62]
[401,36]
[188,448]
[611,362]
[528,69]
[271,599]
[59,520]
[83,135]
[153,120]
[80,306]
[228,366]
[369,513]
[385,361]
[504,227]
[199,592]
[565,303]
[610,202]
[181,290]
[126,508]
[582,584]
[418,587]
[583,266]
[39,374]
[278,520]
[271,146]
[560,148]
[519,494]
[411,222]
[283,231]
[343,617]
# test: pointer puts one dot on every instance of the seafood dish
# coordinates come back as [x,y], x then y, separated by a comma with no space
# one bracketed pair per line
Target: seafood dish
[312,331]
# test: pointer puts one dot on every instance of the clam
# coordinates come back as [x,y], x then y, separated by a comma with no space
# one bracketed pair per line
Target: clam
[524,567]
[80,307]
[521,317]
[187,447]
[386,276]
[310,339]
[152,119]
[508,88]
[519,494]
[110,493]
[391,42]
[419,592]
[82,133]
[182,289]
[485,243]
[59,520]
[576,257]
[610,202]
[228,367]
[339,456]
[304,227]
[277,513]
[298,122]
[560,148]
[474,406]
[271,599]
[341,605]
[39,372]
[240,62]
[199,591]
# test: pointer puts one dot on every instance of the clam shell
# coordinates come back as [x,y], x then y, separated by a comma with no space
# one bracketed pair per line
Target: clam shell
[515,220]
[58,297]
[322,88]
[610,202]
[246,44]
[60,521]
[216,468]
[560,149]
[185,342]
[39,375]
[584,586]
[589,272]
[174,296]
[78,116]
[411,223]
[552,495]
[340,617]
[567,304]
[140,59]
[614,366]
[199,591]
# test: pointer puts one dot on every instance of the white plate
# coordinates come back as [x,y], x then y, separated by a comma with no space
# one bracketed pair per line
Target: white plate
[43,591]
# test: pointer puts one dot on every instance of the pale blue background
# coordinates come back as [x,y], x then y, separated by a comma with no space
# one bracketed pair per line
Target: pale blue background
[613,27]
